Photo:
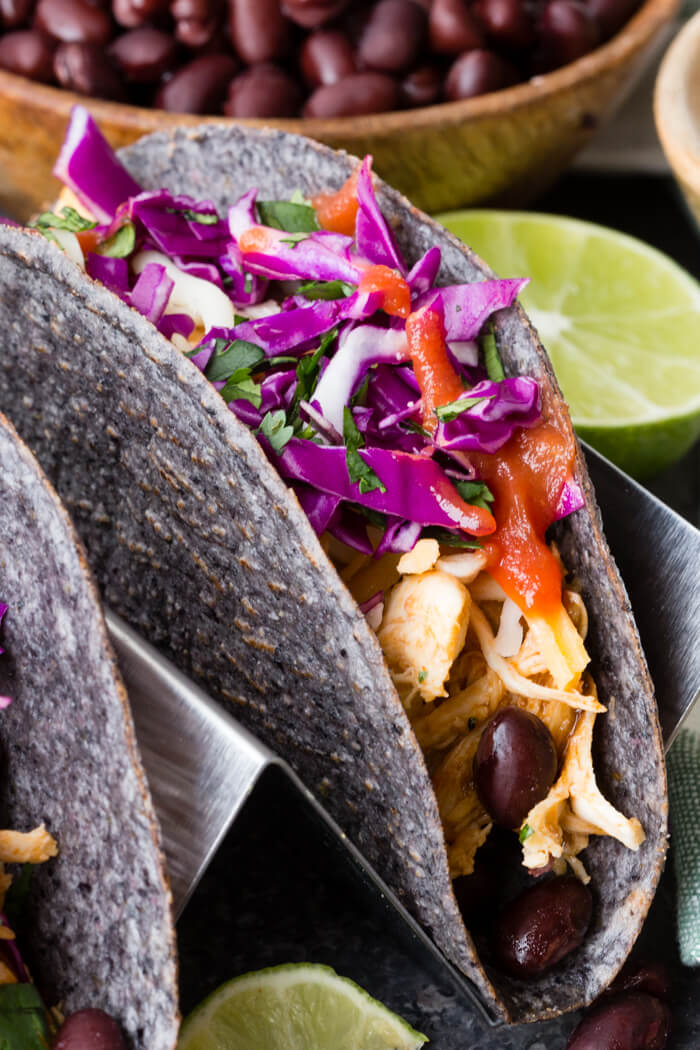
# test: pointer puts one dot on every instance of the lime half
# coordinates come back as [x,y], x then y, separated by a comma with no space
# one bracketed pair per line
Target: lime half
[295,1007]
[621,324]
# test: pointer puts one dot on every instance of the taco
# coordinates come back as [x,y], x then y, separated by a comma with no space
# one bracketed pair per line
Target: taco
[94,928]
[197,541]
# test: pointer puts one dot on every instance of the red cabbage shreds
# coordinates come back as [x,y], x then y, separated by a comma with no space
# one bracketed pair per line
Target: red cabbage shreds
[374,240]
[319,507]
[351,529]
[399,537]
[289,330]
[416,488]
[113,273]
[364,346]
[486,426]
[285,256]
[13,954]
[246,412]
[392,394]
[372,602]
[246,289]
[242,215]
[571,499]
[196,268]
[466,307]
[151,292]
[88,166]
[277,390]
[176,324]
[423,275]
[180,226]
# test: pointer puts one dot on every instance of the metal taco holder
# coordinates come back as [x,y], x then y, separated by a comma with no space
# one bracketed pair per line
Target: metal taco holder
[202,766]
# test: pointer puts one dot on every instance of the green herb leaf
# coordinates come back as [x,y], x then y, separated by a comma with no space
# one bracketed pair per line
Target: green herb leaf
[525,832]
[23,1024]
[445,413]
[298,197]
[358,470]
[326,290]
[248,283]
[450,539]
[471,723]
[375,517]
[240,387]
[121,244]
[475,492]
[290,216]
[69,219]
[274,428]
[231,356]
[494,368]
[293,239]
[422,675]
[307,372]
[204,218]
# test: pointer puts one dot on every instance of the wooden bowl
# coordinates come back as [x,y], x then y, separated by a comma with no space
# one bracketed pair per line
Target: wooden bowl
[503,147]
[677,110]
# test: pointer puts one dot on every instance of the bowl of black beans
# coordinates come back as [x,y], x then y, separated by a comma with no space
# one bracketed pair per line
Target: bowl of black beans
[459,101]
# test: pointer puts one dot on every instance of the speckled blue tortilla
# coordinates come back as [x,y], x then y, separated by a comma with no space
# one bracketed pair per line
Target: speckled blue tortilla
[100,932]
[196,542]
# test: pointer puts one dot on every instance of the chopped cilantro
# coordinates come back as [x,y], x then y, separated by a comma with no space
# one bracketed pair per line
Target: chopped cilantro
[450,539]
[293,239]
[274,428]
[204,218]
[240,387]
[422,675]
[445,413]
[121,244]
[326,290]
[308,369]
[23,1024]
[525,832]
[475,492]
[358,470]
[494,368]
[248,283]
[231,356]
[69,219]
[290,216]
[471,724]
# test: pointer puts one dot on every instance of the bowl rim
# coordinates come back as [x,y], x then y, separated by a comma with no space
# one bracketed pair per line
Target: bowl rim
[677,130]
[630,39]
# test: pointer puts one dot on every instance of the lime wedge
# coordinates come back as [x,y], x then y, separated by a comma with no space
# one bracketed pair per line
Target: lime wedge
[621,324]
[295,1007]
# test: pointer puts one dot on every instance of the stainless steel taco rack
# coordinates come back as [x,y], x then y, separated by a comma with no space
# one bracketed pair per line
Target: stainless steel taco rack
[203,767]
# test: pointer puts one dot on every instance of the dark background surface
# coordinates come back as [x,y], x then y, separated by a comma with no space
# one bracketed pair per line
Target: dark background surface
[276,893]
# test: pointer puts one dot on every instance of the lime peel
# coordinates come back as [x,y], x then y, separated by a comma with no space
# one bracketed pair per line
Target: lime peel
[619,321]
[296,1006]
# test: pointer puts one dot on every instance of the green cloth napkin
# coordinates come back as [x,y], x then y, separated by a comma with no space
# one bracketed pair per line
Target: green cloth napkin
[684,797]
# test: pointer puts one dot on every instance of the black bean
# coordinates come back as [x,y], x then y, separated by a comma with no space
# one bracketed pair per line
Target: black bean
[85,68]
[144,54]
[633,1021]
[476,72]
[422,87]
[200,86]
[393,36]
[263,91]
[546,922]
[88,1030]
[355,95]
[259,30]
[28,53]
[453,28]
[326,56]
[73,21]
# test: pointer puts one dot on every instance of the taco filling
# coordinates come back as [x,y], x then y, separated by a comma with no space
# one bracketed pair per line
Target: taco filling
[430,476]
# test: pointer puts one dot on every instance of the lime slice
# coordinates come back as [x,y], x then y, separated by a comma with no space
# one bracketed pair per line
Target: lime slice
[619,320]
[295,1007]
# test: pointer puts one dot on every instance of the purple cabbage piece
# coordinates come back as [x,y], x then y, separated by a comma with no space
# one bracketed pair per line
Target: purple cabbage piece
[151,292]
[374,240]
[570,500]
[311,258]
[399,537]
[319,507]
[372,602]
[176,324]
[203,270]
[364,346]
[113,273]
[246,412]
[164,217]
[466,307]
[247,289]
[277,390]
[88,165]
[486,427]
[242,215]
[14,955]
[416,487]
[351,529]
[423,275]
